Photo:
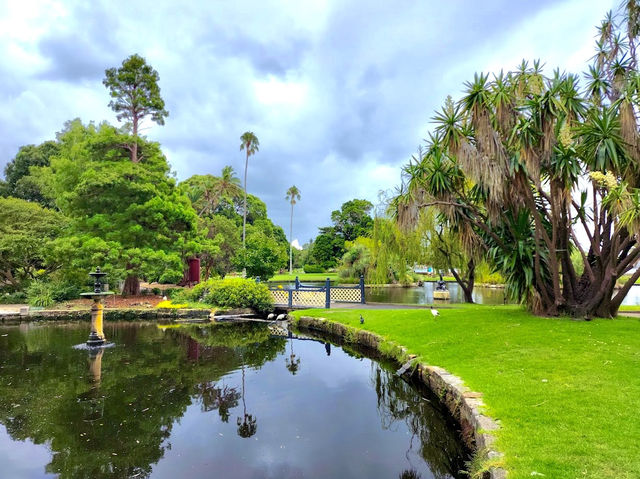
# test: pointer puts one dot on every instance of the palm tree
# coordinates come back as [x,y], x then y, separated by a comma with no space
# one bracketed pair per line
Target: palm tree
[251,145]
[228,184]
[293,195]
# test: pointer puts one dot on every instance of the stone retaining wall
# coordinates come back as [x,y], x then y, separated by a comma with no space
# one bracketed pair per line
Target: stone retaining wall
[109,314]
[464,405]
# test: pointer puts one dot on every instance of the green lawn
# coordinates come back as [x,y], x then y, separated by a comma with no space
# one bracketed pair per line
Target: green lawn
[305,277]
[566,392]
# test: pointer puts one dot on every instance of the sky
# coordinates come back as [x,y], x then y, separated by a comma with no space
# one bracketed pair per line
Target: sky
[339,93]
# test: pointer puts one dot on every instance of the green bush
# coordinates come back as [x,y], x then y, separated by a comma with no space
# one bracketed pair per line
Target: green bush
[313,268]
[40,294]
[170,277]
[65,290]
[18,297]
[238,293]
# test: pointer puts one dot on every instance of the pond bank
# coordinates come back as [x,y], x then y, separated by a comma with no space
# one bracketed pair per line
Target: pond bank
[464,405]
[566,392]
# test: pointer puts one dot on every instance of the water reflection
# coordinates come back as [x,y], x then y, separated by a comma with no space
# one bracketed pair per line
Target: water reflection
[159,404]
[424,294]
[292,362]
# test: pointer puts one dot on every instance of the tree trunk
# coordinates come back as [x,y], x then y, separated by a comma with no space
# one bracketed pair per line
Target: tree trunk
[134,147]
[466,284]
[131,286]
[290,241]
[244,213]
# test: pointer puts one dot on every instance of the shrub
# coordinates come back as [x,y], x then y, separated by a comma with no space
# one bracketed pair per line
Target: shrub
[169,305]
[65,290]
[40,294]
[238,293]
[170,277]
[313,268]
[156,291]
[13,298]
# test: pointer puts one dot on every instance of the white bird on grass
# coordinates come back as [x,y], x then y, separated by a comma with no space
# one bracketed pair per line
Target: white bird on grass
[435,312]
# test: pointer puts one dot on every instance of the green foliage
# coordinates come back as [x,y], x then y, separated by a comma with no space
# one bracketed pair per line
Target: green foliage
[328,247]
[238,293]
[18,297]
[40,293]
[127,217]
[227,234]
[263,256]
[19,182]
[313,268]
[358,258]
[135,93]
[27,232]
[353,219]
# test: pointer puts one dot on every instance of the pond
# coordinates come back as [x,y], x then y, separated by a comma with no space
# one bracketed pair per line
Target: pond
[228,401]
[481,295]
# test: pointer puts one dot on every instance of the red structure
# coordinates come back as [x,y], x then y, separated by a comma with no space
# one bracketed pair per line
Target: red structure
[194,271]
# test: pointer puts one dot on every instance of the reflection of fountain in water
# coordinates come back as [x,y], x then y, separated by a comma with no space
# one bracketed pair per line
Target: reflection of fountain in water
[91,401]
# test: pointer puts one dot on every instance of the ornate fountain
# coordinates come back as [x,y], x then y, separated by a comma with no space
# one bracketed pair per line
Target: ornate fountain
[96,336]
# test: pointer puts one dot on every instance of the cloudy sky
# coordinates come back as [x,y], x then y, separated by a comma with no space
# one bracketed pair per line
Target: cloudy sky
[339,92]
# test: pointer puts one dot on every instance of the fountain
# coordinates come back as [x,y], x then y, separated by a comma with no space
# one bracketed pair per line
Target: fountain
[96,336]
[441,291]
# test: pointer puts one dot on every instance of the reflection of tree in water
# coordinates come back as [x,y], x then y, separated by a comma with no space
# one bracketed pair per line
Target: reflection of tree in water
[220,398]
[247,425]
[292,362]
[409,474]
[147,382]
[439,443]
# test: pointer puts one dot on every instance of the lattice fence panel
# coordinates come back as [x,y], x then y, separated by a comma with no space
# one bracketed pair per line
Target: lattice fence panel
[309,298]
[280,296]
[351,295]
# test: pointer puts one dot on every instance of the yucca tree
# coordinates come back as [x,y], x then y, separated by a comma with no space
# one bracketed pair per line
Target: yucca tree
[293,196]
[251,145]
[523,162]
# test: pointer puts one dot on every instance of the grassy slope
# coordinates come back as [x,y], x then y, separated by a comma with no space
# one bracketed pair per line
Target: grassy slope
[305,277]
[567,392]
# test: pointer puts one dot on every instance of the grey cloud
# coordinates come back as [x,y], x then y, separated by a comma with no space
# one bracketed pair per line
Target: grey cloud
[375,71]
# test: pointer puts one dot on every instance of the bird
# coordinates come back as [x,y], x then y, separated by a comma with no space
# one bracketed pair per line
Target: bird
[271,316]
[164,298]
[435,312]
[281,317]
[361,320]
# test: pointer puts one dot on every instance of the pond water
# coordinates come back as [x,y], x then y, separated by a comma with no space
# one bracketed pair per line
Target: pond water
[229,401]
[481,295]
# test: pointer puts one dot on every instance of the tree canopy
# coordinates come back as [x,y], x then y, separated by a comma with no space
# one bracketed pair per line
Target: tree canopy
[526,164]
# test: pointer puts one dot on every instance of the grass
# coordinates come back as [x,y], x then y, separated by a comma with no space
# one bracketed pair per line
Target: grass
[305,277]
[567,393]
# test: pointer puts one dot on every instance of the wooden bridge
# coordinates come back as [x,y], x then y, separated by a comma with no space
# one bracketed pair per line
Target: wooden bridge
[299,295]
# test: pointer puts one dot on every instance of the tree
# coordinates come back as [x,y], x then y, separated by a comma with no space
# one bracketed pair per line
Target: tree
[228,184]
[543,161]
[135,95]
[353,219]
[228,235]
[293,195]
[263,256]
[251,145]
[127,217]
[208,193]
[19,182]
[26,233]
[448,240]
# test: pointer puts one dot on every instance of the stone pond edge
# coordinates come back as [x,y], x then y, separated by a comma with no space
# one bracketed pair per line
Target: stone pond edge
[478,430]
